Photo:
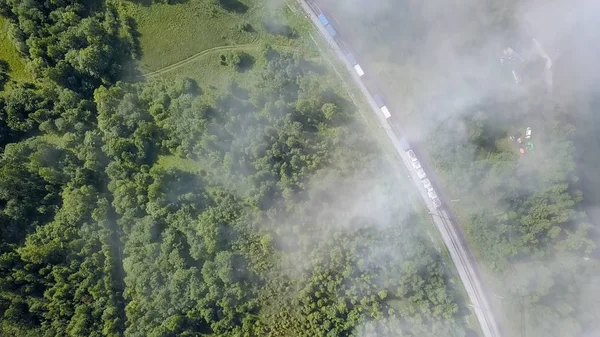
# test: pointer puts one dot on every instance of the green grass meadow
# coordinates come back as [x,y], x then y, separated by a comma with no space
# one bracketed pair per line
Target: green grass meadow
[170,33]
[10,54]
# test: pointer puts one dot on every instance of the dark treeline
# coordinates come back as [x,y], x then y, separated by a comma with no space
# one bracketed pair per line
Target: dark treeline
[104,232]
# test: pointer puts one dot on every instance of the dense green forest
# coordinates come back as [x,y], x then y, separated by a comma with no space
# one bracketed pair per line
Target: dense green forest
[158,209]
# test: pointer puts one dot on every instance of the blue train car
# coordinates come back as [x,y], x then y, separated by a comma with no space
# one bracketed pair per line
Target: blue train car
[351,59]
[378,100]
[330,30]
[323,19]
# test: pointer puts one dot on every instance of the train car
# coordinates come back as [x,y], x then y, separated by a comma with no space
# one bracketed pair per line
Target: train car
[427,184]
[359,70]
[331,30]
[381,106]
[323,19]
[412,155]
[351,59]
[421,173]
[386,112]
[379,101]
[431,193]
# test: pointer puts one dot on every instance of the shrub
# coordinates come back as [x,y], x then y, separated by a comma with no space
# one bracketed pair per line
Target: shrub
[246,27]
[239,60]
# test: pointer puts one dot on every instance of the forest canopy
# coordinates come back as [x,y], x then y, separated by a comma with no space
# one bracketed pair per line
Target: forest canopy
[156,209]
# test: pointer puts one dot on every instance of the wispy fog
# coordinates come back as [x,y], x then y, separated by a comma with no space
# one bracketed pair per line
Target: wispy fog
[437,61]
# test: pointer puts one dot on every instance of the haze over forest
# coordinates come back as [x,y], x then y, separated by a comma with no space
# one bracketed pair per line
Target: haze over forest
[531,219]
[198,168]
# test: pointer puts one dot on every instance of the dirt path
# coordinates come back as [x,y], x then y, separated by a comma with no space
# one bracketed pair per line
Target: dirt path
[179,64]
[192,58]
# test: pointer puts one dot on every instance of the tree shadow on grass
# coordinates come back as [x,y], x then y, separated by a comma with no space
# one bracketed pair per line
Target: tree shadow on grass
[239,60]
[233,6]
[130,71]
[135,38]
[246,62]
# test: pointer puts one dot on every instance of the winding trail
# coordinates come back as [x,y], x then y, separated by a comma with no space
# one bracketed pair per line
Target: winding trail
[192,58]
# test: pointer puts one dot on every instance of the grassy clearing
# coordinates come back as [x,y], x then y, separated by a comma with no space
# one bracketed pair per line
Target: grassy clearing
[186,165]
[9,53]
[187,39]
[171,33]
[53,140]
[211,75]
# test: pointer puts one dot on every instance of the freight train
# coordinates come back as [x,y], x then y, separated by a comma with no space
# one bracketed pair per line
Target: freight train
[384,110]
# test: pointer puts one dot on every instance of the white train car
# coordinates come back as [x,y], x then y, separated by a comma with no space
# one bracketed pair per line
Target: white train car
[359,70]
[382,107]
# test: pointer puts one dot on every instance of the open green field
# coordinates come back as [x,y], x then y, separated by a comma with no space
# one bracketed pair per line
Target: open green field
[9,53]
[171,33]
